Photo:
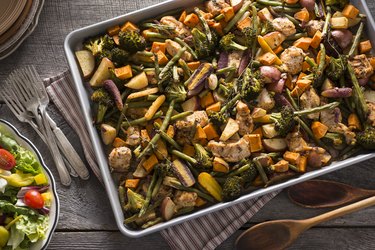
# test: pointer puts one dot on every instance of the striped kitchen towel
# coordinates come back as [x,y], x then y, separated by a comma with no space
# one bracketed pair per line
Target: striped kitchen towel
[206,232]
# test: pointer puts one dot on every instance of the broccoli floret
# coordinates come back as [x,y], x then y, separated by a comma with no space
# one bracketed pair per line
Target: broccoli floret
[366,138]
[135,201]
[336,67]
[250,35]
[176,91]
[104,101]
[284,121]
[227,43]
[100,46]
[132,41]
[232,188]
[249,174]
[250,86]
[165,169]
[334,138]
[119,56]
[267,27]
[218,118]
[202,156]
[162,29]
[202,45]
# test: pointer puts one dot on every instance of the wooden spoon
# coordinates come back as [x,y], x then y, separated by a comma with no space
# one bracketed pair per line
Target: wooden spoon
[322,193]
[279,234]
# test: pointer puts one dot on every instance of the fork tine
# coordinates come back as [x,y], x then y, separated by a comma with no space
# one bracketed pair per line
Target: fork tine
[38,83]
[10,102]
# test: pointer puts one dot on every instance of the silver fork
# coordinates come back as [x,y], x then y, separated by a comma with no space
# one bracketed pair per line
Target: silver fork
[24,89]
[68,150]
[10,99]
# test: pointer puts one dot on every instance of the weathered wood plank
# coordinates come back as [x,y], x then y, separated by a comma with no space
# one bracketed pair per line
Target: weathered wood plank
[316,238]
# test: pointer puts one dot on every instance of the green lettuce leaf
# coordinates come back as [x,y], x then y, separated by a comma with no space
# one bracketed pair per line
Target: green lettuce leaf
[26,161]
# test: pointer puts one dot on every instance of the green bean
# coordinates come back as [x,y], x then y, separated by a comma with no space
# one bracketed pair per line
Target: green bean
[184,157]
[181,115]
[152,97]
[237,17]
[166,137]
[141,120]
[225,70]
[260,170]
[188,48]
[356,40]
[148,194]
[172,62]
[296,36]
[184,67]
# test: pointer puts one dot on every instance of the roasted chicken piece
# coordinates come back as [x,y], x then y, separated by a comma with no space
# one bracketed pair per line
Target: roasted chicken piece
[230,151]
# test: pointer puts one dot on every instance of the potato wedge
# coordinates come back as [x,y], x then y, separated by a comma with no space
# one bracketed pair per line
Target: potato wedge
[102,73]
[138,82]
[86,62]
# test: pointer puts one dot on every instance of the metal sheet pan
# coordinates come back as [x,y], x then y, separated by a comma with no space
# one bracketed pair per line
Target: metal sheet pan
[74,41]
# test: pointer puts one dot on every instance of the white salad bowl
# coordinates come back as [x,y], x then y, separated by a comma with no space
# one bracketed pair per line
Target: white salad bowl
[8,129]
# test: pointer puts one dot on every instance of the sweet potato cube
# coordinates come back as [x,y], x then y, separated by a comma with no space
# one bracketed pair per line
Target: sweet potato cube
[129,26]
[303,43]
[302,15]
[350,11]
[210,131]
[199,202]
[132,183]
[255,141]
[291,157]
[191,20]
[207,100]
[214,107]
[161,150]
[246,22]
[365,46]
[267,59]
[278,49]
[182,16]
[193,65]
[188,150]
[303,84]
[113,30]
[145,138]
[150,162]
[200,133]
[264,14]
[124,72]
[302,163]
[162,58]
[317,39]
[170,131]
[353,122]
[281,166]
[228,13]
[118,142]
[319,129]
[258,131]
[218,27]
[156,46]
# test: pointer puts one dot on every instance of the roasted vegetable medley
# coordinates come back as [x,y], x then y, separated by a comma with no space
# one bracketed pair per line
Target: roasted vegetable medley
[204,105]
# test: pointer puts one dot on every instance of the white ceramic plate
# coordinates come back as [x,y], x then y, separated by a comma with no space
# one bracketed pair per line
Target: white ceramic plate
[9,130]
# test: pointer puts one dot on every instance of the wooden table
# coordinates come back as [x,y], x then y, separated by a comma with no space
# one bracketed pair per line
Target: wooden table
[86,220]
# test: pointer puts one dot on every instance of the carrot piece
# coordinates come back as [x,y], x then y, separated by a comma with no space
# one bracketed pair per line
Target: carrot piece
[143,93]
[191,20]
[255,142]
[124,72]
[132,183]
[207,100]
[267,58]
[150,162]
[129,26]
[228,13]
[350,11]
[214,107]
[188,150]
[200,133]
[156,46]
[353,122]
[302,15]
[291,157]
[365,46]
[303,43]
[154,107]
[182,16]
[113,30]
[118,142]
[317,39]
[319,129]
[210,131]
[246,22]
[193,65]
[220,165]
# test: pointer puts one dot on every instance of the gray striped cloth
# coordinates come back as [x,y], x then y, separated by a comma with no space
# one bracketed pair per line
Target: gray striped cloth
[206,232]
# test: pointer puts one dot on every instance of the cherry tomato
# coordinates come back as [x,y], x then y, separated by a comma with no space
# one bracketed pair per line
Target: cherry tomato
[33,199]
[7,160]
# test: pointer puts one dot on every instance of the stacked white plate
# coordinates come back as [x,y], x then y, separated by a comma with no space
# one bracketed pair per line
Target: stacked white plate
[18,20]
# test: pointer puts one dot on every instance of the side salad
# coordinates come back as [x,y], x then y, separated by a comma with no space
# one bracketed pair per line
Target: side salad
[24,197]
[204,105]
